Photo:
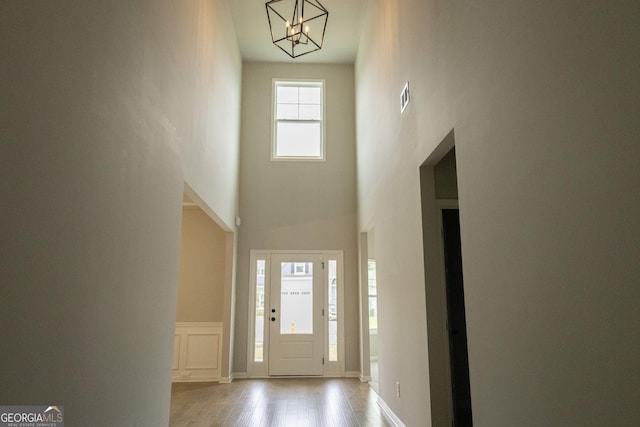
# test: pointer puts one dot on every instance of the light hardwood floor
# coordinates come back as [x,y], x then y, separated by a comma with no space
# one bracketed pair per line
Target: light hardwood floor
[276,402]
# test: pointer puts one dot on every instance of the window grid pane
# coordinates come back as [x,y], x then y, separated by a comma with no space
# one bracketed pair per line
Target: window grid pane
[309,95]
[287,112]
[298,102]
[287,95]
[309,112]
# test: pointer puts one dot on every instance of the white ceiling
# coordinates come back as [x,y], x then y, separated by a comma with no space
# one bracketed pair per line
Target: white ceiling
[340,41]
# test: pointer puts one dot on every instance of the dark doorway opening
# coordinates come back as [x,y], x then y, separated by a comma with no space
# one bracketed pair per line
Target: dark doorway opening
[446,320]
[456,319]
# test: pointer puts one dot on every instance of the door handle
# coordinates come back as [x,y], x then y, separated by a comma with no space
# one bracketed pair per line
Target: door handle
[273,319]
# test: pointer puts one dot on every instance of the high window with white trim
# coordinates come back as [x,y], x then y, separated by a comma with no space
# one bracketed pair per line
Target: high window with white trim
[298,120]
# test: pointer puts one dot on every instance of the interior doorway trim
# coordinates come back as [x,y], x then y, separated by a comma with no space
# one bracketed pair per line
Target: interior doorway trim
[435,289]
[260,267]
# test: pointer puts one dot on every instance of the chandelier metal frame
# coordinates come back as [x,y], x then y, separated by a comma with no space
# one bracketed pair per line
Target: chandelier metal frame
[297,26]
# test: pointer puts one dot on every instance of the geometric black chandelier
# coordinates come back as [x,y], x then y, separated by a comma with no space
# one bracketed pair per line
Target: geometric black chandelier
[297,26]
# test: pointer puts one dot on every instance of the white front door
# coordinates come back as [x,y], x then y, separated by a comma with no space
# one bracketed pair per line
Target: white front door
[296,328]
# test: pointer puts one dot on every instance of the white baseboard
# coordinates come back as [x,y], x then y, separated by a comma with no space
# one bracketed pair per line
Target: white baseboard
[389,414]
[238,375]
[347,374]
[365,379]
[226,380]
[196,379]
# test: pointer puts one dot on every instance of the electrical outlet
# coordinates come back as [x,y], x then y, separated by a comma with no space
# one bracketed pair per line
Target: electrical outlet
[398,389]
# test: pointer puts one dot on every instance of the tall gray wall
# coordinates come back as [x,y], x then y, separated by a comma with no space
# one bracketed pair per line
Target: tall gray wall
[105,106]
[543,98]
[298,205]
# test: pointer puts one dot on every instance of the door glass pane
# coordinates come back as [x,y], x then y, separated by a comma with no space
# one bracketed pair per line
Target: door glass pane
[296,298]
[333,310]
[259,320]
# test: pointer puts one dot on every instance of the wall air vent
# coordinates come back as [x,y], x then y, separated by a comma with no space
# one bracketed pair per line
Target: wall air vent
[404,98]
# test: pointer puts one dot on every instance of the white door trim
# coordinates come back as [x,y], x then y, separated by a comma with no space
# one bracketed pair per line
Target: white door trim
[260,369]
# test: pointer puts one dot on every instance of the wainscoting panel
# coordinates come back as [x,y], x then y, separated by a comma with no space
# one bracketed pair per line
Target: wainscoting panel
[197,351]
